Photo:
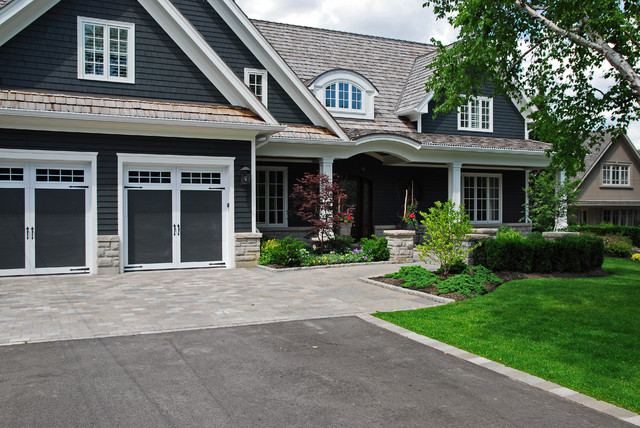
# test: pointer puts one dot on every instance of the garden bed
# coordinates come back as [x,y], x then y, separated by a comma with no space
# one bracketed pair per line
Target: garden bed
[280,268]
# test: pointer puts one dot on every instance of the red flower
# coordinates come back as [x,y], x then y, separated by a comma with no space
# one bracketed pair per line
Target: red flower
[412,215]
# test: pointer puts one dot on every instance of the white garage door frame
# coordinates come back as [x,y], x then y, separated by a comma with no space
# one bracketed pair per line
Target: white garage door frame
[175,162]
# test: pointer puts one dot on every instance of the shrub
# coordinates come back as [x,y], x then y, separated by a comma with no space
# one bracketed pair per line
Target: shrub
[508,233]
[446,226]
[462,284]
[376,248]
[285,252]
[354,256]
[636,257]
[415,276]
[632,232]
[617,246]
[567,254]
[455,268]
[483,275]
[339,244]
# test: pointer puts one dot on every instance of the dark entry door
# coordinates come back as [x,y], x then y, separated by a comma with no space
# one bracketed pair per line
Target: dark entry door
[360,194]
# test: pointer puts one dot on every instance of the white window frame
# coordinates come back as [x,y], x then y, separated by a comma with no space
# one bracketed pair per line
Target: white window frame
[248,72]
[367,90]
[470,123]
[350,100]
[474,217]
[131,68]
[285,204]
[607,178]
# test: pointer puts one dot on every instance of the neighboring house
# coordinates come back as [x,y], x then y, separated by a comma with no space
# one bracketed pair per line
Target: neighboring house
[610,188]
[149,134]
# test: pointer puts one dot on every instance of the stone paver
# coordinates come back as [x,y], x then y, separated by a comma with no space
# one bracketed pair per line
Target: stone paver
[45,308]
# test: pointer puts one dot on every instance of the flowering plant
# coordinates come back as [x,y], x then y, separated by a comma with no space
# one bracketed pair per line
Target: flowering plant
[348,216]
[636,257]
[410,216]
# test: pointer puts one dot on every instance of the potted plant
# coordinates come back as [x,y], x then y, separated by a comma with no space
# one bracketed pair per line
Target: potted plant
[347,224]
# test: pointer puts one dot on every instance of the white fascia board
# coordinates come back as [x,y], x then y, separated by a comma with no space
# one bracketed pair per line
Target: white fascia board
[119,125]
[19,14]
[275,65]
[421,108]
[204,57]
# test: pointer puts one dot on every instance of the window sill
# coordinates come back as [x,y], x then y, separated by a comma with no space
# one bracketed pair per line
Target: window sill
[617,187]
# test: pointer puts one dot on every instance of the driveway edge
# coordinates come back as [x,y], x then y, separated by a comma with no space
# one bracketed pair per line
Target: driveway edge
[517,375]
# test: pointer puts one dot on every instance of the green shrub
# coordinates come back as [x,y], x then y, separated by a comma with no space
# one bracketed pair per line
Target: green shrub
[483,275]
[618,246]
[284,252]
[456,268]
[567,254]
[508,233]
[339,244]
[632,232]
[376,248]
[463,283]
[354,256]
[415,276]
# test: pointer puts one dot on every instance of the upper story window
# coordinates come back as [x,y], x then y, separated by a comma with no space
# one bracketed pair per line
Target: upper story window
[345,93]
[106,50]
[256,80]
[476,115]
[616,175]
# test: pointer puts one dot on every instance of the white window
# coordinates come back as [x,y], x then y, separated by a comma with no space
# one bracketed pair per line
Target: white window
[256,80]
[271,196]
[106,50]
[615,175]
[343,96]
[483,197]
[476,115]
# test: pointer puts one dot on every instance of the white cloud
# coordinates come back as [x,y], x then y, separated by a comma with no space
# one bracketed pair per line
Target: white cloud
[398,19]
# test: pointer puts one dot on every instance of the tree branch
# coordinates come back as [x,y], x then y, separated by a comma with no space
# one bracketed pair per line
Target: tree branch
[534,47]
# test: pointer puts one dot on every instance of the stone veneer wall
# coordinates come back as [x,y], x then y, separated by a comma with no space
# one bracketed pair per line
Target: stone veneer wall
[108,254]
[247,249]
[400,243]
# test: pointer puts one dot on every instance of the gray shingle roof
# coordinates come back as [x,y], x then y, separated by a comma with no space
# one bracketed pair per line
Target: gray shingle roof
[414,90]
[3,3]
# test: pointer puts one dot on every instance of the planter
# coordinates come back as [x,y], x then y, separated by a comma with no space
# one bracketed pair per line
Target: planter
[345,229]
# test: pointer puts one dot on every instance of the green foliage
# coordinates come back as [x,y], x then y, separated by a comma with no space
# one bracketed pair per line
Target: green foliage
[415,276]
[285,252]
[549,199]
[462,284]
[554,55]
[376,248]
[353,256]
[456,268]
[508,233]
[632,232]
[567,254]
[483,275]
[338,244]
[617,246]
[446,228]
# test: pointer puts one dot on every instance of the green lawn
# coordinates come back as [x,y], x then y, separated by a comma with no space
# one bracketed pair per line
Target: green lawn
[582,333]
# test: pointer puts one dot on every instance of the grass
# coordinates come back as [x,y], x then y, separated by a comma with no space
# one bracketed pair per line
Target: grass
[581,333]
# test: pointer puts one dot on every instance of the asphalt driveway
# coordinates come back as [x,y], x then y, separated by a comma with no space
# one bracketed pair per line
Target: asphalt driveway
[323,372]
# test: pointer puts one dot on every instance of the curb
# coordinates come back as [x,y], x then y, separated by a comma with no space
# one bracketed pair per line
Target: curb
[291,269]
[513,374]
[437,299]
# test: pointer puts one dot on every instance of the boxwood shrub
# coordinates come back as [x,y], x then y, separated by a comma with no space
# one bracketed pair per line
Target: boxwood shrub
[632,232]
[567,254]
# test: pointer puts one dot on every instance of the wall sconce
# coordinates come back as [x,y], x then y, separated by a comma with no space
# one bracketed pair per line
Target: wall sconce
[245,175]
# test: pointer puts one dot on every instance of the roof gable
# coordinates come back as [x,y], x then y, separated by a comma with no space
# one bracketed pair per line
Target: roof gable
[597,153]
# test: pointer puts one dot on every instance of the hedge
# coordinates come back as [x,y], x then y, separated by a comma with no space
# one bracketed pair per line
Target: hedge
[567,254]
[632,232]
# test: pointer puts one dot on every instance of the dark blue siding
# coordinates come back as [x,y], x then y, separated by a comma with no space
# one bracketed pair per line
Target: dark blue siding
[507,121]
[226,44]
[44,56]
[108,146]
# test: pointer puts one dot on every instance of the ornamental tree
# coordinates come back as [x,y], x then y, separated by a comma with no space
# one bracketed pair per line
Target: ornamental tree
[550,199]
[320,202]
[574,64]
[446,228]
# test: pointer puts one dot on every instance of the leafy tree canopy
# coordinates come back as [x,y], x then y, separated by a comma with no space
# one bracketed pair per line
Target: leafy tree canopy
[554,52]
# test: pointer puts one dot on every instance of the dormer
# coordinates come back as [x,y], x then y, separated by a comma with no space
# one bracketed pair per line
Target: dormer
[345,93]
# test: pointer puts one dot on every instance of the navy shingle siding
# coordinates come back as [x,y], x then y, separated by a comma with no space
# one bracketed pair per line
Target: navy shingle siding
[108,146]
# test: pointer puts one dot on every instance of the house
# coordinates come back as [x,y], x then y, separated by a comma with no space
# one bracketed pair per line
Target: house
[156,134]
[610,187]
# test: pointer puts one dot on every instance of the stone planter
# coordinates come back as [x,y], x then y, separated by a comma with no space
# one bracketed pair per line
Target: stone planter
[345,229]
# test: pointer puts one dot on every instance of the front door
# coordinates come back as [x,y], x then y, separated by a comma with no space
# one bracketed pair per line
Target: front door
[174,217]
[43,219]
[360,195]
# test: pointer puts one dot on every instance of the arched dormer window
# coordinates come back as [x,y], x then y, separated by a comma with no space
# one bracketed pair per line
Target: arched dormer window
[345,93]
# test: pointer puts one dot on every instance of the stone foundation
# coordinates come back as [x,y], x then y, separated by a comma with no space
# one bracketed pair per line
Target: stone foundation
[108,254]
[247,249]
[400,243]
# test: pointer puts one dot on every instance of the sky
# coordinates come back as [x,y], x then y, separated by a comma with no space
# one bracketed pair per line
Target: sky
[396,19]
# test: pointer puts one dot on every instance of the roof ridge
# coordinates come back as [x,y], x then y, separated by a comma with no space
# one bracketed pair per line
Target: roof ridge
[344,32]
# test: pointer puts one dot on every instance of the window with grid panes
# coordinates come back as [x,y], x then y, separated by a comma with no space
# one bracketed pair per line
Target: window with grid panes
[106,50]
[271,204]
[482,197]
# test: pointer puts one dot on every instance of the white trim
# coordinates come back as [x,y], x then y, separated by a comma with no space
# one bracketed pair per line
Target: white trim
[487,209]
[131,50]
[248,72]
[618,165]
[204,57]
[470,128]
[275,65]
[19,14]
[88,160]
[285,196]
[335,77]
[254,227]
[177,163]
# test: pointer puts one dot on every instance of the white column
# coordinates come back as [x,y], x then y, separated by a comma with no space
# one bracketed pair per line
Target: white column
[455,183]
[526,196]
[561,221]
[326,167]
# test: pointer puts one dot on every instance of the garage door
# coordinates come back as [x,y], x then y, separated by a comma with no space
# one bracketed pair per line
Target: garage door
[174,217]
[44,223]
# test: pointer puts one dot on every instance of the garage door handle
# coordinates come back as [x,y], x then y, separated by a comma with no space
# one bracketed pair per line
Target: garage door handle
[174,230]
[33,233]
[178,230]
[27,233]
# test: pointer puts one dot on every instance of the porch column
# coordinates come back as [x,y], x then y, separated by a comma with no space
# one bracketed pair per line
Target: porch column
[526,196]
[561,221]
[326,167]
[455,183]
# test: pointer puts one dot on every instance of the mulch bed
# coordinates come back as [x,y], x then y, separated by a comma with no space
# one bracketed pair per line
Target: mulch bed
[505,276]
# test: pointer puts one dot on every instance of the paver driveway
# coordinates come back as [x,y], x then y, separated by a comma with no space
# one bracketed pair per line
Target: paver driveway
[44,308]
